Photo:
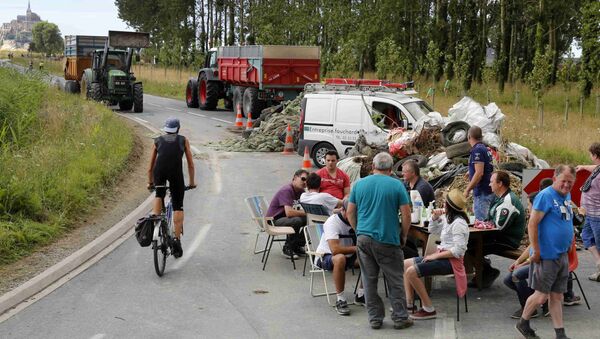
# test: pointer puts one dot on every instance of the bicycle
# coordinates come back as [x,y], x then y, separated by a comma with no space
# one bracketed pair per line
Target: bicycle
[162,239]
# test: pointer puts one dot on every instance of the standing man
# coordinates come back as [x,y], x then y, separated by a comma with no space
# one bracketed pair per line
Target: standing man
[411,174]
[480,171]
[333,180]
[373,212]
[550,231]
[590,204]
[283,213]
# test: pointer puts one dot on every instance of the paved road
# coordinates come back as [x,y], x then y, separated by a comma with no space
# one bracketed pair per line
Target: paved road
[215,289]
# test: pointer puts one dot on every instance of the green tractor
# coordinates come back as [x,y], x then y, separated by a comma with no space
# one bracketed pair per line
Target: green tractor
[110,78]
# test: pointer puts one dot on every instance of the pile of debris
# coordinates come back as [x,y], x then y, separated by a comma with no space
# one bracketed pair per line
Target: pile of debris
[268,130]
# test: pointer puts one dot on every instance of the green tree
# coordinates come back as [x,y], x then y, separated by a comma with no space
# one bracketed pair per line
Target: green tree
[46,38]
[590,47]
[391,61]
[539,78]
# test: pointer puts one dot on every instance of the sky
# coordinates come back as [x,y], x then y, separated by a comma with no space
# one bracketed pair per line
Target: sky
[73,17]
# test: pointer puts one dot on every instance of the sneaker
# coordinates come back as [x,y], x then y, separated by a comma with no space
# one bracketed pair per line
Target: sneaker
[527,332]
[375,324]
[359,300]
[300,251]
[177,250]
[401,324]
[288,253]
[341,306]
[574,300]
[518,313]
[423,315]
[595,277]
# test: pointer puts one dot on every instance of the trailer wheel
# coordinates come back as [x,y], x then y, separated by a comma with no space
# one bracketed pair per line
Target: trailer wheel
[70,86]
[125,105]
[95,91]
[191,93]
[238,98]
[228,103]
[208,93]
[138,98]
[251,102]
[318,153]
[85,88]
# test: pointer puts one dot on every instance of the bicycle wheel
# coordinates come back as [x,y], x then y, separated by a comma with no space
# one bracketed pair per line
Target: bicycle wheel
[160,248]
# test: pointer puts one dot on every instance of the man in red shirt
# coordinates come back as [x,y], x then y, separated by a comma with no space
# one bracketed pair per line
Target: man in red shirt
[333,180]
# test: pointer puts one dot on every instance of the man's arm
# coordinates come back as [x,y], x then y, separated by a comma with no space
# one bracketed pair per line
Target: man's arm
[290,212]
[151,167]
[479,168]
[532,230]
[351,214]
[336,248]
[346,192]
[190,164]
[405,210]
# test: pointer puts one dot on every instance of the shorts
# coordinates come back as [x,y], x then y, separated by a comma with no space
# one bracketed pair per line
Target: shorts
[431,268]
[591,231]
[550,275]
[176,186]
[327,262]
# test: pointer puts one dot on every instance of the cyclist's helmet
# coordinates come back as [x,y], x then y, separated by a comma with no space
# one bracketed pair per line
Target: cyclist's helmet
[171,125]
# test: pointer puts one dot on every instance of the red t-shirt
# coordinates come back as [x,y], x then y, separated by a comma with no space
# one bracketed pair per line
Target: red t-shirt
[333,186]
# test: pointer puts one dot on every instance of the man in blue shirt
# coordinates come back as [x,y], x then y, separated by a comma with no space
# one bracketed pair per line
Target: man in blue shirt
[480,172]
[550,232]
[373,212]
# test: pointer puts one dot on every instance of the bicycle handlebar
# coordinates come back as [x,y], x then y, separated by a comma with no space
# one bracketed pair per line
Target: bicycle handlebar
[153,188]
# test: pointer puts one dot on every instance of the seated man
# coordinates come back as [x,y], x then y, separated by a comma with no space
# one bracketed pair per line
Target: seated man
[411,175]
[340,255]
[508,215]
[283,212]
[333,180]
[313,196]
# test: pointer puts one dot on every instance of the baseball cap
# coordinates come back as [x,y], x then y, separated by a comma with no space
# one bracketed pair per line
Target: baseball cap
[171,125]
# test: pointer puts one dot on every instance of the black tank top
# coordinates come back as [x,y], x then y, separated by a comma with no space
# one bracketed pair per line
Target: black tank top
[170,149]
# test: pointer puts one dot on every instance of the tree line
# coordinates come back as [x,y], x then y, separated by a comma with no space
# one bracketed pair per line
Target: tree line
[395,38]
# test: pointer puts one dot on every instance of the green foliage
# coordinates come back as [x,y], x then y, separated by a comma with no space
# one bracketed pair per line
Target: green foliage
[590,45]
[462,66]
[391,60]
[539,78]
[56,170]
[46,38]
[347,59]
[433,60]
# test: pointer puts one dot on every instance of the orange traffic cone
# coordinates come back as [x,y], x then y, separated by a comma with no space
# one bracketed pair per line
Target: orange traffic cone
[238,118]
[288,148]
[306,164]
[249,122]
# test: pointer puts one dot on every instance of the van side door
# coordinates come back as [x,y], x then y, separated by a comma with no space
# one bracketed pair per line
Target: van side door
[348,122]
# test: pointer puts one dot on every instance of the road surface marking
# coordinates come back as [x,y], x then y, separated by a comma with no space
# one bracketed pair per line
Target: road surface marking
[195,150]
[142,120]
[444,327]
[197,114]
[189,251]
[173,109]
[217,182]
[151,104]
[98,336]
[221,120]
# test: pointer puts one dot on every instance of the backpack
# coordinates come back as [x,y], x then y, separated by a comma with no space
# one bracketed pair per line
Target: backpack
[144,230]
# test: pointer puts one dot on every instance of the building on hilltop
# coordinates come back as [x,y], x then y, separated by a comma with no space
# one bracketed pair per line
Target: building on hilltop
[19,30]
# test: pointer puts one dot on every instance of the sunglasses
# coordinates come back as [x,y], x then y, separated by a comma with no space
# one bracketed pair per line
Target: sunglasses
[303,178]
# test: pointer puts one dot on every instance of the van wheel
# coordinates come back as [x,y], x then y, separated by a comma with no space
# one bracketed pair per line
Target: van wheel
[318,153]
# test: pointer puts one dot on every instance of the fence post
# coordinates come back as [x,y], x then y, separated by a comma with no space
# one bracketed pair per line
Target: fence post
[487,95]
[433,100]
[517,102]
[541,113]
[597,105]
[566,110]
[581,107]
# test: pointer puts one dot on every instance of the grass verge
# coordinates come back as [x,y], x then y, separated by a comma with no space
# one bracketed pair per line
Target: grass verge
[54,168]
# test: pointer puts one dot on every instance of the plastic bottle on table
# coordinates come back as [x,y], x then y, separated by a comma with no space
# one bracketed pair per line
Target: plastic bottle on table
[417,203]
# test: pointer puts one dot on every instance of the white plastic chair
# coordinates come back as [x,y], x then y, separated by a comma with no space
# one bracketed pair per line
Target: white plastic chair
[312,234]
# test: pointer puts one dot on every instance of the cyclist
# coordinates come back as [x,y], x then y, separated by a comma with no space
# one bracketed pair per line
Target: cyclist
[166,165]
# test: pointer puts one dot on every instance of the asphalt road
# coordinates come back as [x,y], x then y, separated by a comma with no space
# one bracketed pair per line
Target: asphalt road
[218,290]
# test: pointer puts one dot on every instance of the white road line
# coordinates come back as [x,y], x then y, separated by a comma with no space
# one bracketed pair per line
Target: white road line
[444,327]
[173,109]
[217,182]
[221,120]
[98,336]
[141,120]
[189,251]
[197,114]
[151,104]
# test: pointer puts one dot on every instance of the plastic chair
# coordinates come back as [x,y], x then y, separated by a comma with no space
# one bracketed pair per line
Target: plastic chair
[430,248]
[312,234]
[258,207]
[314,209]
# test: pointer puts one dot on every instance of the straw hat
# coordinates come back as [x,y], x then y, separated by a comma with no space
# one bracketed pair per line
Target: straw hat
[456,200]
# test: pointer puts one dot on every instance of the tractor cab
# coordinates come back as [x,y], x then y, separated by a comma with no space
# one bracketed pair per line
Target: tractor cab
[211,59]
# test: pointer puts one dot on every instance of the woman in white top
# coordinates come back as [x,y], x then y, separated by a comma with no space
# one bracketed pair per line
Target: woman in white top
[454,235]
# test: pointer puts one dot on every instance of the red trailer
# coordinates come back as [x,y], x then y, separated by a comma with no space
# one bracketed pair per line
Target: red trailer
[253,77]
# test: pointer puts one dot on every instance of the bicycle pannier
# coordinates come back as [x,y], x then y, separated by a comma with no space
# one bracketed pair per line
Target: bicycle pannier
[144,229]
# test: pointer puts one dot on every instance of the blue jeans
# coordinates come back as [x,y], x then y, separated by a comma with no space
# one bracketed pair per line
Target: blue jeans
[517,281]
[481,205]
[591,231]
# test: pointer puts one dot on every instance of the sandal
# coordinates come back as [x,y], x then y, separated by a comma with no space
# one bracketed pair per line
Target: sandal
[595,277]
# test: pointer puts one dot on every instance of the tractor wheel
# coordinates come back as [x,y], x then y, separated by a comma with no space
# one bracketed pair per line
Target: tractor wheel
[95,91]
[238,99]
[191,93]
[251,102]
[208,93]
[125,105]
[228,103]
[138,98]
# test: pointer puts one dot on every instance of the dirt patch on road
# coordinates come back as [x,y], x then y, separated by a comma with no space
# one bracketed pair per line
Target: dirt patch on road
[118,202]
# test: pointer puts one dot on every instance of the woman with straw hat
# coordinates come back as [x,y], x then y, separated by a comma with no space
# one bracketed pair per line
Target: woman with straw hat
[452,224]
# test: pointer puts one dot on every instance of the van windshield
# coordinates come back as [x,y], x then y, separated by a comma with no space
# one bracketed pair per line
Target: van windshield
[418,109]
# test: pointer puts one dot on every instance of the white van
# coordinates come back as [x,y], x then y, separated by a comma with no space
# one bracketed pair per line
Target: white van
[333,116]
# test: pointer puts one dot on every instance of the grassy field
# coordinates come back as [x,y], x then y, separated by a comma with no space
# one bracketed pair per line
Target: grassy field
[554,140]
[57,155]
